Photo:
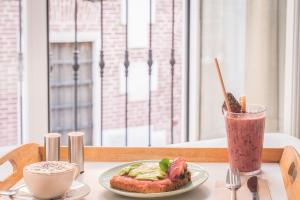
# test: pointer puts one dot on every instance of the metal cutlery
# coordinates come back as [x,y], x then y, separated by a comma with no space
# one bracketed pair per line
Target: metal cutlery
[12,191]
[233,182]
[252,184]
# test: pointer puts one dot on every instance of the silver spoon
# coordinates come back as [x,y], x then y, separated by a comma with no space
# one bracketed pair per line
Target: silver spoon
[12,191]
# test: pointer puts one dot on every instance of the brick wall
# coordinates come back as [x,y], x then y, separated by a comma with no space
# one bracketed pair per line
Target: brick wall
[8,72]
[61,20]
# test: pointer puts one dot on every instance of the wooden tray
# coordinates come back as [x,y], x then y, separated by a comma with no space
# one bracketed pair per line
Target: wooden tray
[287,158]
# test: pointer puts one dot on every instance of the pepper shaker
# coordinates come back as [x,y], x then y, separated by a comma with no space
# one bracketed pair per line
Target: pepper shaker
[52,146]
[76,149]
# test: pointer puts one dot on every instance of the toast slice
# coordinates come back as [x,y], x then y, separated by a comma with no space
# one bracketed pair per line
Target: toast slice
[177,176]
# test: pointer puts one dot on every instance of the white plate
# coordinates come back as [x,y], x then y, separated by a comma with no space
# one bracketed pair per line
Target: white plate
[199,176]
[77,190]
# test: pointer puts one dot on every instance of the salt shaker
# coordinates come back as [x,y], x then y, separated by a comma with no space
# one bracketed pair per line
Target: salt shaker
[76,149]
[52,146]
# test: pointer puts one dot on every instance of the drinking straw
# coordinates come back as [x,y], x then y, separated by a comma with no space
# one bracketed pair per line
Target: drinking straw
[222,84]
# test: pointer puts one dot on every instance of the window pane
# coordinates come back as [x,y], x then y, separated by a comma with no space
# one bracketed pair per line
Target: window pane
[248,38]
[9,73]
[62,89]
[61,36]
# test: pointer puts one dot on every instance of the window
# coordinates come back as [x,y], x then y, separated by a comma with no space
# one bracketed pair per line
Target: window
[10,74]
[228,30]
[61,36]
[62,89]
[138,81]
[138,22]
[248,37]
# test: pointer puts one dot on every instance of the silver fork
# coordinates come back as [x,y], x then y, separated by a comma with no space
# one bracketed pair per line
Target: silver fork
[233,182]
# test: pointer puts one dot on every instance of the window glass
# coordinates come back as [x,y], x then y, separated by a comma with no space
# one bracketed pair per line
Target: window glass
[248,37]
[62,89]
[61,37]
[10,77]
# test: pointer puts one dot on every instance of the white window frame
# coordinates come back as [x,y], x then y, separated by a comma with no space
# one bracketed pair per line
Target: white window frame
[194,72]
[291,104]
[35,85]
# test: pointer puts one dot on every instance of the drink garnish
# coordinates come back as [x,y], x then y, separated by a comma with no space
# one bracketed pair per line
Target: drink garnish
[242,101]
[235,107]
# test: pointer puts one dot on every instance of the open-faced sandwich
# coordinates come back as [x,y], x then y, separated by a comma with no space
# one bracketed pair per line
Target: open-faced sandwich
[162,176]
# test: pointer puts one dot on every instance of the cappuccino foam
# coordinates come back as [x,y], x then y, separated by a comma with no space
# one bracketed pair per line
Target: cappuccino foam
[49,167]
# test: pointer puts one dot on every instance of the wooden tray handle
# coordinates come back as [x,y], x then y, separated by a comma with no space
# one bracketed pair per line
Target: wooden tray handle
[19,158]
[290,170]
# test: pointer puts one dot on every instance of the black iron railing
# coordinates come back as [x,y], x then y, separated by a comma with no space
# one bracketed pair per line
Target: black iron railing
[126,65]
[150,62]
[75,68]
[21,66]
[101,65]
[172,63]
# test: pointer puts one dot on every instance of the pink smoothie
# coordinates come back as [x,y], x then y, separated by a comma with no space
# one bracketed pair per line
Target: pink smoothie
[245,133]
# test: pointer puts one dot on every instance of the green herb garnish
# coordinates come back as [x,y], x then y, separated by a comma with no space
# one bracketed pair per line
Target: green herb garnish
[164,164]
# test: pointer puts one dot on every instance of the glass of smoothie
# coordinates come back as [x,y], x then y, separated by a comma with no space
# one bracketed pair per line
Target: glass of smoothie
[245,134]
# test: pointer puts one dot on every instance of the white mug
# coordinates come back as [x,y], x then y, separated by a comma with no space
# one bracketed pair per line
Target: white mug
[49,179]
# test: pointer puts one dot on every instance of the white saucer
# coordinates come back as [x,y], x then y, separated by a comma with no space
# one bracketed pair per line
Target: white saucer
[77,190]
